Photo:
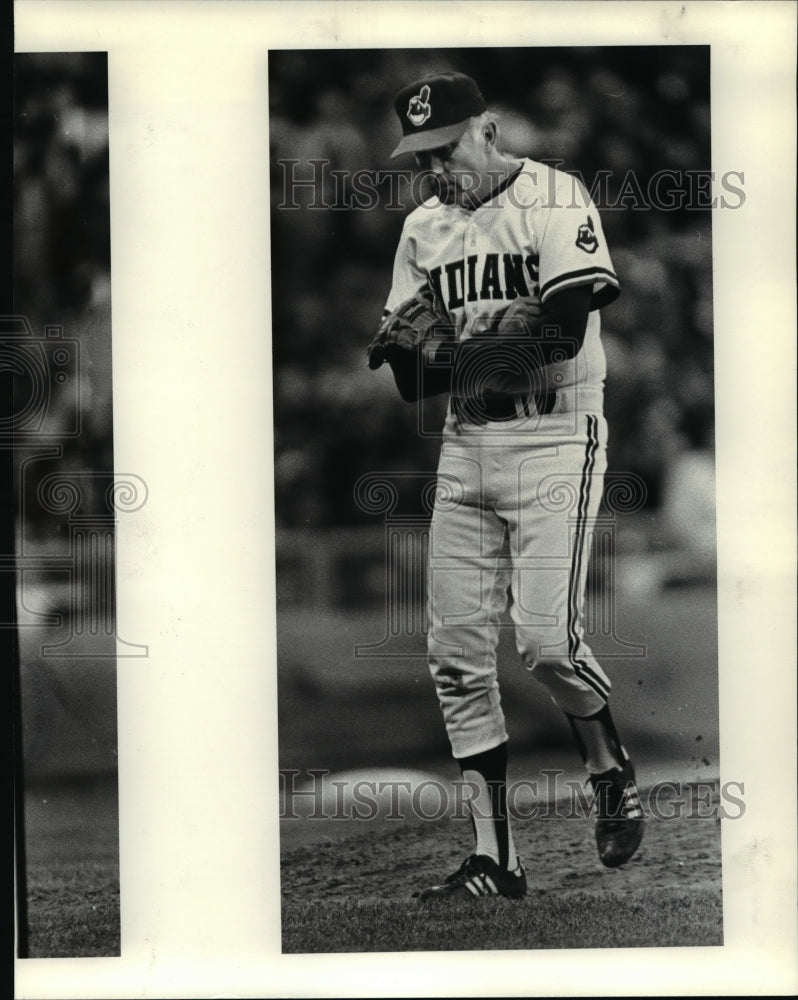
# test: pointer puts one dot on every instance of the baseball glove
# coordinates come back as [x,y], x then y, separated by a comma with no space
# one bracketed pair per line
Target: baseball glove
[418,318]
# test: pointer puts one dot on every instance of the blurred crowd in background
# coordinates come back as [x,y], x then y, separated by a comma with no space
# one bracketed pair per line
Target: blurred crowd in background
[62,256]
[638,110]
[63,407]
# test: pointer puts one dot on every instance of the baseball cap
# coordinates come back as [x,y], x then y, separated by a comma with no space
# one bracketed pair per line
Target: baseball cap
[436,110]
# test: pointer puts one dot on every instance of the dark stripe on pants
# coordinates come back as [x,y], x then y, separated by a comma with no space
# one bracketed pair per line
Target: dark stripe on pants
[585,672]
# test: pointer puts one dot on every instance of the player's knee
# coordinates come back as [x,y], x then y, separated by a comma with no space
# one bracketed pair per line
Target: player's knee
[446,676]
[460,688]
[455,677]
[554,672]
[574,691]
[528,643]
[461,652]
[542,649]
[544,667]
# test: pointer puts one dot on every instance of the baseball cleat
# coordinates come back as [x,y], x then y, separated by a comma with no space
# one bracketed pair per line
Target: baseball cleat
[478,875]
[619,815]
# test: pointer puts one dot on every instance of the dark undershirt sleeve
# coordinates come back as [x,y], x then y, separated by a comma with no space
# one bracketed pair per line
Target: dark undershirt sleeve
[418,375]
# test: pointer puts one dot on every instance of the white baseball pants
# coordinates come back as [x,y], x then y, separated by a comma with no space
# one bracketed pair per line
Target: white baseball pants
[512,523]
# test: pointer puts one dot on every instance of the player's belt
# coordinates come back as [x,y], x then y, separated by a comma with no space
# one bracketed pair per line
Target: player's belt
[510,407]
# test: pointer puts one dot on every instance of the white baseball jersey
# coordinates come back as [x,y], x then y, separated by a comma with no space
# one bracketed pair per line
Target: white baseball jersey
[536,234]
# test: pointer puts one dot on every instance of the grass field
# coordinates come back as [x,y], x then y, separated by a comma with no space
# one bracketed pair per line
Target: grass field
[71,796]
[356,895]
[72,869]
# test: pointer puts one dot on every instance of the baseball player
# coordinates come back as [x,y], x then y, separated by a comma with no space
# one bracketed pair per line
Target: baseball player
[497,284]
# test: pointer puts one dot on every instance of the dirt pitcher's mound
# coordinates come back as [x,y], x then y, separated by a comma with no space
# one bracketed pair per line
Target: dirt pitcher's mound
[358,894]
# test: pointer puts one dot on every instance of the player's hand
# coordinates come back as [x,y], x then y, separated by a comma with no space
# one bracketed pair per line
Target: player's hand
[519,319]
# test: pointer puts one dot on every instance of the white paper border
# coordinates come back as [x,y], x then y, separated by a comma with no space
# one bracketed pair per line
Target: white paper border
[190,257]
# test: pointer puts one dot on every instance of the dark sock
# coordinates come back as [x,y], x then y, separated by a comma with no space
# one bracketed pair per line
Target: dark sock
[597,740]
[491,766]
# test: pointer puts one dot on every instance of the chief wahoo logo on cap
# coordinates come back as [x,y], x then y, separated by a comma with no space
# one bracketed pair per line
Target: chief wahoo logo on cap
[419,110]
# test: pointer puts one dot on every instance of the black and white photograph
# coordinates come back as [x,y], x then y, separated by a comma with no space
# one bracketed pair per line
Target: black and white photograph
[403,498]
[58,345]
[492,275]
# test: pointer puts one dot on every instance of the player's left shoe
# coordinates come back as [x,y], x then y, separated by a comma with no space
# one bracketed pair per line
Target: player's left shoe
[619,815]
[478,876]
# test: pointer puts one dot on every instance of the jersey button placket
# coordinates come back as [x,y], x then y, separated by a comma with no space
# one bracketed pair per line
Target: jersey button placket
[469,246]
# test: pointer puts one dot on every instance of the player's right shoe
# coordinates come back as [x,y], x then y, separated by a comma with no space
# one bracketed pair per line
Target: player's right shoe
[619,815]
[478,876]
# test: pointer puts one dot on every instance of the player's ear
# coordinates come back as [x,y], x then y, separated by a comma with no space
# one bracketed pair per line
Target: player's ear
[489,132]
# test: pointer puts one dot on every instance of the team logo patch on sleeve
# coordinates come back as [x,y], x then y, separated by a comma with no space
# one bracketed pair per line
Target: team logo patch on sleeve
[419,110]
[586,238]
